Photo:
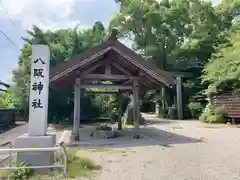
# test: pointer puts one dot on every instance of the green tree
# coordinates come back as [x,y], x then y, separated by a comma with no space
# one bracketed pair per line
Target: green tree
[222,73]
[63,44]
[6,101]
[173,33]
[177,35]
[219,73]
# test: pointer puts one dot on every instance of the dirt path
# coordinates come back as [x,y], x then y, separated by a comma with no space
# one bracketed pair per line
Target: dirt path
[13,133]
[194,152]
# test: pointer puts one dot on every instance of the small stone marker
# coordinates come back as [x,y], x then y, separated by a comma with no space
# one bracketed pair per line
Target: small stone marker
[38,101]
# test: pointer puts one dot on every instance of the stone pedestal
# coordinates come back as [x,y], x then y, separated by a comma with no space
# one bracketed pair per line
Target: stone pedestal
[36,158]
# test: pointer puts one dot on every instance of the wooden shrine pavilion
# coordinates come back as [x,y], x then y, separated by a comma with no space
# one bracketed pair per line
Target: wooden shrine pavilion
[110,61]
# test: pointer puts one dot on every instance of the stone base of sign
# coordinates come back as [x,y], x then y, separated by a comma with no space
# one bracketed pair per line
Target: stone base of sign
[36,158]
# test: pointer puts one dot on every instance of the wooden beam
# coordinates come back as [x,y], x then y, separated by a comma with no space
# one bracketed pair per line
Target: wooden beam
[90,69]
[108,77]
[126,82]
[144,81]
[151,79]
[182,74]
[107,68]
[121,68]
[98,92]
[148,81]
[106,86]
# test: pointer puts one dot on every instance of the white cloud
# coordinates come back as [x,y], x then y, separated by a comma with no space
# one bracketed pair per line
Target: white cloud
[216,2]
[47,14]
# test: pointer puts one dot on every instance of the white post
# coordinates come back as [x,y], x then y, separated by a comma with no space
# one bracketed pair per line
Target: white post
[38,101]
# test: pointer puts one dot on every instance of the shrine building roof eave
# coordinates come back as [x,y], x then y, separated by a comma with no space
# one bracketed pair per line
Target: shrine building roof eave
[89,56]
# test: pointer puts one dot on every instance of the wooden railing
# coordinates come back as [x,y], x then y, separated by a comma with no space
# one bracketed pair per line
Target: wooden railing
[230,101]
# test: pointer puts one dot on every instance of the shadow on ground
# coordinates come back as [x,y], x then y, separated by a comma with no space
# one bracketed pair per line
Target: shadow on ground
[149,136]
[152,121]
[5,129]
[166,137]
[17,123]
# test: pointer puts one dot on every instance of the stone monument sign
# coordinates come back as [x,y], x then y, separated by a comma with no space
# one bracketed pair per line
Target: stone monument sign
[37,136]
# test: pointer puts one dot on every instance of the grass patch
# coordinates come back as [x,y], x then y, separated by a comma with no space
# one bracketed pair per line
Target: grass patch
[52,175]
[101,149]
[78,166]
[4,175]
[127,126]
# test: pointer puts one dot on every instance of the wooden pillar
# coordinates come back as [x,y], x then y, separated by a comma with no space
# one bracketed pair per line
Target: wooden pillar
[160,95]
[119,112]
[179,97]
[157,105]
[76,121]
[136,108]
[163,94]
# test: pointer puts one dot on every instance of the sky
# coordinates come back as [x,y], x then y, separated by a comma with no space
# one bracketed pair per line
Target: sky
[17,16]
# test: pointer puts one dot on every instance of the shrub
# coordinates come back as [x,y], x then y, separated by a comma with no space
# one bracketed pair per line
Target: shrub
[214,119]
[221,114]
[79,166]
[22,173]
[162,112]
[221,111]
[208,111]
[214,115]
[211,119]
[195,109]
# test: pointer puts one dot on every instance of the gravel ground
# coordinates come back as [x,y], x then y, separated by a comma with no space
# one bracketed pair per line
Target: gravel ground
[188,151]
